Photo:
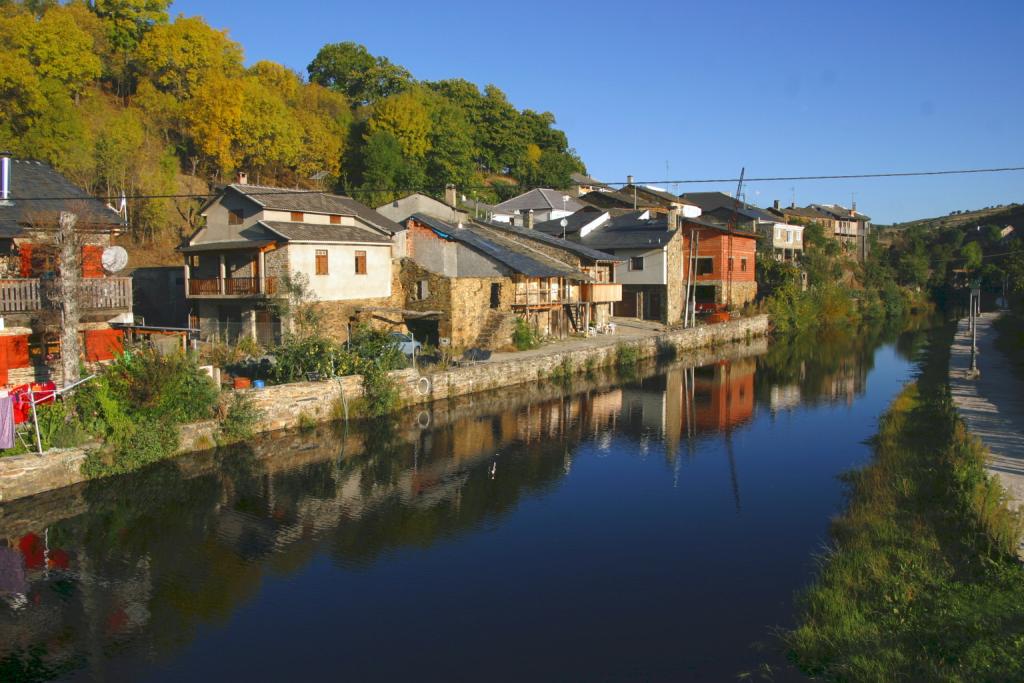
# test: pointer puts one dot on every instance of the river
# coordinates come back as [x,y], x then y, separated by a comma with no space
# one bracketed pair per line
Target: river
[648,526]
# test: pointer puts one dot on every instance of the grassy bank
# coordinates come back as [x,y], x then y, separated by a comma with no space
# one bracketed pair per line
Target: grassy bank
[920,583]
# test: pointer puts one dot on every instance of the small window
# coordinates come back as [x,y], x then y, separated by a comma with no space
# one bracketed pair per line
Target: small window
[298,216]
[422,290]
[705,265]
[730,263]
[192,260]
[236,216]
[360,263]
[321,262]
[743,264]
[335,219]
[636,263]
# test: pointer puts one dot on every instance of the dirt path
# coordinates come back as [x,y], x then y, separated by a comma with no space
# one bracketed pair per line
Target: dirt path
[991,404]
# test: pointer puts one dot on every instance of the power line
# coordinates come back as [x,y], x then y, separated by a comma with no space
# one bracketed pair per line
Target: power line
[426,188]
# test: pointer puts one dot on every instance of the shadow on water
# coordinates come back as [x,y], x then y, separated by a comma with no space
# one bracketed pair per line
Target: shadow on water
[121,577]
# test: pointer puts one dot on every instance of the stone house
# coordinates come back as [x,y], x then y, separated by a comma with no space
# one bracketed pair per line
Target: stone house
[257,236]
[32,197]
[467,285]
[598,296]
[847,226]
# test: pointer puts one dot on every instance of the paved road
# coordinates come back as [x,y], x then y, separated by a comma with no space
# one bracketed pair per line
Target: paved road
[991,404]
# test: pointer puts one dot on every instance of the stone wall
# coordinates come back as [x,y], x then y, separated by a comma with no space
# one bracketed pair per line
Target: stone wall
[290,405]
[674,293]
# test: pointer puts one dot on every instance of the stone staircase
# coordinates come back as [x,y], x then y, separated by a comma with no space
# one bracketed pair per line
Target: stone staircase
[492,326]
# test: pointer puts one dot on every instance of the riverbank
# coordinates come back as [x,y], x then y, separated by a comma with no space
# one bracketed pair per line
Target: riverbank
[991,404]
[921,581]
[302,404]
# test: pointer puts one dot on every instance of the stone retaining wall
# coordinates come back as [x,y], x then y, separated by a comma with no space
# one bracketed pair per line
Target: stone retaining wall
[290,405]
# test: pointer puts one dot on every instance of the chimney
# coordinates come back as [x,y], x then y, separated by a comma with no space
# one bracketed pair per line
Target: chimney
[5,178]
[243,178]
[450,197]
[853,209]
[674,215]
[529,219]
[629,180]
[776,204]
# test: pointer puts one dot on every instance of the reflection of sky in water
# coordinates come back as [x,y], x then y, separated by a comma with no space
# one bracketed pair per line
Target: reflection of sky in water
[654,530]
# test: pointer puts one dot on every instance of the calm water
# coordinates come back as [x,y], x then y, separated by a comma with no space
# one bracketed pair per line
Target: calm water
[652,527]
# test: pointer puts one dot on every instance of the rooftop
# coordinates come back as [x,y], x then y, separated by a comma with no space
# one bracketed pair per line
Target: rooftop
[540,199]
[319,232]
[312,201]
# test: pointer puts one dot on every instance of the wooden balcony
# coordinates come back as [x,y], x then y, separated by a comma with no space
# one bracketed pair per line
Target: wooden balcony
[542,297]
[231,287]
[601,292]
[24,295]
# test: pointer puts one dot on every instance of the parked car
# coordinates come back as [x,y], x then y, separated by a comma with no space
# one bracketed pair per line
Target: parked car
[406,343]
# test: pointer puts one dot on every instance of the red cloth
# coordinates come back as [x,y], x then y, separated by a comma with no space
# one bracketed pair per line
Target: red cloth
[31,546]
[44,392]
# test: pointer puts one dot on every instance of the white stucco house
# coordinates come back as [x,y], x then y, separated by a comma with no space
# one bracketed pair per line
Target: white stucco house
[255,236]
[535,206]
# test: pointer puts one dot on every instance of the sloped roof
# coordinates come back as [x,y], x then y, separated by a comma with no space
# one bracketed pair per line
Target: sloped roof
[584,179]
[539,199]
[616,198]
[38,194]
[506,252]
[713,201]
[230,245]
[319,232]
[663,196]
[574,222]
[284,199]
[573,247]
[840,212]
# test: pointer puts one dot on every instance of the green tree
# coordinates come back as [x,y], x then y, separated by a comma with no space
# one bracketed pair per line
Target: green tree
[55,46]
[405,117]
[350,69]
[450,155]
[385,170]
[971,255]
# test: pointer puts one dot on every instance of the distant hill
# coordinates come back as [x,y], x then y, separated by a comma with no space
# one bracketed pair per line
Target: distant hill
[1003,215]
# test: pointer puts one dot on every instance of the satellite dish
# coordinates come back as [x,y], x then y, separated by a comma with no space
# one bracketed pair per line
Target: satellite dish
[564,223]
[114,259]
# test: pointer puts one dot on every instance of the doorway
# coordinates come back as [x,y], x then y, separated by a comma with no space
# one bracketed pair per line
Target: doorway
[495,295]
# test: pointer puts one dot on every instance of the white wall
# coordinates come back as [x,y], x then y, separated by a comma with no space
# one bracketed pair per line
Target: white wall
[653,273]
[341,283]
[320,218]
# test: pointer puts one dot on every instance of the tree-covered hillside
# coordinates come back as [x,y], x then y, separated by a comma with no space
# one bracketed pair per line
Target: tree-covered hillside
[123,99]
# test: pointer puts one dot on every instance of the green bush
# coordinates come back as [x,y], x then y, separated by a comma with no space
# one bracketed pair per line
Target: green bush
[240,419]
[524,337]
[380,393]
[626,356]
[165,387]
[299,357]
[562,373]
[144,442]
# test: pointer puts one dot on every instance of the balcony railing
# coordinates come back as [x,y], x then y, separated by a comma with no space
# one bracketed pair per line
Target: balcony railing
[231,286]
[541,297]
[601,292]
[24,295]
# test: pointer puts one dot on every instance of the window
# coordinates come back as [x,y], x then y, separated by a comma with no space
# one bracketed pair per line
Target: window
[743,264]
[360,263]
[789,236]
[335,219]
[192,260]
[636,263]
[236,216]
[321,262]
[298,216]
[422,290]
[798,237]
[705,265]
[730,263]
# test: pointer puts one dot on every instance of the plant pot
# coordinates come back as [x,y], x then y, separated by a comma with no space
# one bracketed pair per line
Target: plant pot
[242,383]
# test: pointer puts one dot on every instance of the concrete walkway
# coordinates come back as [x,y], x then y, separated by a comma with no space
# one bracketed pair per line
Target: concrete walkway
[991,404]
[626,329]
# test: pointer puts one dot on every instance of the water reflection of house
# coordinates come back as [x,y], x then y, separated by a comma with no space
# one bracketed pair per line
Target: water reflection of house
[723,394]
[784,397]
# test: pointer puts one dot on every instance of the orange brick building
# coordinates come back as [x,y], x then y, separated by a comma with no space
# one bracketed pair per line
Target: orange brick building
[725,264]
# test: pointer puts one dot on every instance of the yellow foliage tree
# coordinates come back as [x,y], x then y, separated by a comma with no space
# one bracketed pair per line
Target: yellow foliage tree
[213,118]
[406,117]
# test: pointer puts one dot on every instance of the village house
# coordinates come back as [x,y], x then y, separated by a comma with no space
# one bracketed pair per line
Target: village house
[786,239]
[257,238]
[847,226]
[537,205]
[724,266]
[32,197]
[582,184]
[417,202]
[466,285]
[599,295]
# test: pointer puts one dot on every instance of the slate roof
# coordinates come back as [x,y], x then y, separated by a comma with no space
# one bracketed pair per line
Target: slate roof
[540,199]
[573,247]
[840,212]
[506,252]
[574,222]
[284,199]
[662,196]
[714,201]
[584,179]
[809,212]
[630,231]
[39,193]
[224,246]
[319,232]
[616,198]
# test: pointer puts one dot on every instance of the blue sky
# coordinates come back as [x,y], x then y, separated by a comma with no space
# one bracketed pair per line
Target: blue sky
[697,90]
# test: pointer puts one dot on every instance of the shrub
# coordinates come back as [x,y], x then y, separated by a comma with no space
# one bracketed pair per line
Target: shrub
[562,373]
[377,347]
[298,357]
[524,337]
[380,394]
[626,356]
[240,419]
[145,442]
[165,387]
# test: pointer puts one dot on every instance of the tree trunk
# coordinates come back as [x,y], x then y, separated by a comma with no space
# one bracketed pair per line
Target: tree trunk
[67,286]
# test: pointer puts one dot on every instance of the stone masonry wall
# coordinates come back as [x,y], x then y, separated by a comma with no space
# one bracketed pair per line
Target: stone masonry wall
[289,405]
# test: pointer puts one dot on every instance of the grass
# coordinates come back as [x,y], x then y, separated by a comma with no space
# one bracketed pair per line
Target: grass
[920,583]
